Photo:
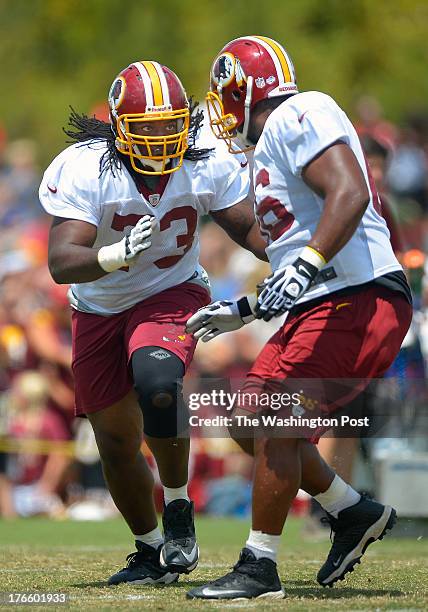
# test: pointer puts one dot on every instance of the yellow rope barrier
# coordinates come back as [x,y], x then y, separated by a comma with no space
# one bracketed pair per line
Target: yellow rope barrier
[212,446]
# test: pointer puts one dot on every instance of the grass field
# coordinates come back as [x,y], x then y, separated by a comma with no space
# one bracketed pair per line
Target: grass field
[76,558]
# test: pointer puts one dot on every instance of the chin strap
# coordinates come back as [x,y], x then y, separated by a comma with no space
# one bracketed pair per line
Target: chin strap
[247,104]
[154,164]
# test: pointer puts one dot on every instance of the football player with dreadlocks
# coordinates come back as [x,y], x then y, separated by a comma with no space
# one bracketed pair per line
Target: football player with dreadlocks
[125,199]
[334,273]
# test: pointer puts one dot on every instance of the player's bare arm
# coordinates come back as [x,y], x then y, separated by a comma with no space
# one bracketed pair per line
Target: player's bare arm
[239,223]
[72,258]
[336,176]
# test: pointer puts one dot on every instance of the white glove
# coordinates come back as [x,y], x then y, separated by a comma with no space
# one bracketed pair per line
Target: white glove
[126,251]
[220,317]
[282,290]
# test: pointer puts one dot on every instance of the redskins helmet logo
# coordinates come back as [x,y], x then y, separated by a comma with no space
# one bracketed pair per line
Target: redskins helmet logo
[223,69]
[226,68]
[116,94]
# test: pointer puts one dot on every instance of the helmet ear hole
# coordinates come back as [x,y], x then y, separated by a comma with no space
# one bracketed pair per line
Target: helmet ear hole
[236,95]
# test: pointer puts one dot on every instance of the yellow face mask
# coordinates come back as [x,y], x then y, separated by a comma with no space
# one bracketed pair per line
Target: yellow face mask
[155,143]
[223,125]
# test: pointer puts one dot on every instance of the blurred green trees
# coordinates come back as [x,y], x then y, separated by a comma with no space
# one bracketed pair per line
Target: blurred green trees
[55,53]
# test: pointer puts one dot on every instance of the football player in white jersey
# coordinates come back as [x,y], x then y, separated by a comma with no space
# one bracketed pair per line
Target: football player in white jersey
[125,199]
[333,272]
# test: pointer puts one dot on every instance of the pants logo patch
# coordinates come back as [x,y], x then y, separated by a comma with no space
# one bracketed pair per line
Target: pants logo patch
[160,354]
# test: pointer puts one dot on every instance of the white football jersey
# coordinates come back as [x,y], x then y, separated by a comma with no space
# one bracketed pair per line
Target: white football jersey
[73,188]
[288,211]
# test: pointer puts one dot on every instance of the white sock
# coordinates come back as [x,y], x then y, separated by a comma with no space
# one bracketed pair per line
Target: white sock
[338,496]
[263,544]
[170,495]
[153,538]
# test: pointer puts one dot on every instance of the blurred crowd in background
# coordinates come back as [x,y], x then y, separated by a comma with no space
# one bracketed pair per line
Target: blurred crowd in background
[48,460]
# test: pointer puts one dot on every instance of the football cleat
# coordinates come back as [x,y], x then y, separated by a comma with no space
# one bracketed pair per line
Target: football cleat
[354,530]
[251,578]
[143,567]
[180,551]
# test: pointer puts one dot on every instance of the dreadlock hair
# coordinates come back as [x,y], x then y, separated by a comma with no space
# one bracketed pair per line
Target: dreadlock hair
[90,129]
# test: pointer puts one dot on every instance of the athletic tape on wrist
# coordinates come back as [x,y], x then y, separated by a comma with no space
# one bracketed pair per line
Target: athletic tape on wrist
[246,307]
[312,256]
[111,257]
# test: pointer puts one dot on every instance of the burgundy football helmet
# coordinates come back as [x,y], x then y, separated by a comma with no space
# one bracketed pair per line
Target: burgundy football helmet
[246,70]
[148,92]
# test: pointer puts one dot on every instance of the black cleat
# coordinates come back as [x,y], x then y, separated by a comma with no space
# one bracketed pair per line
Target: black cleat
[251,578]
[143,567]
[354,530]
[180,552]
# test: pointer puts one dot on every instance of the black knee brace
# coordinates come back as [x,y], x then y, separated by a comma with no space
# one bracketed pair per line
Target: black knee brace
[158,381]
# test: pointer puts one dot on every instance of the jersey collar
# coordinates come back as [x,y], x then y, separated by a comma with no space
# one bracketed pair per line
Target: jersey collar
[150,187]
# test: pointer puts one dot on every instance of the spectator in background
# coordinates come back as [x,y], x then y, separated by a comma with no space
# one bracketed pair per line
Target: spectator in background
[101,111]
[378,156]
[407,173]
[215,258]
[48,334]
[36,477]
[19,184]
[369,120]
[424,313]
[35,330]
